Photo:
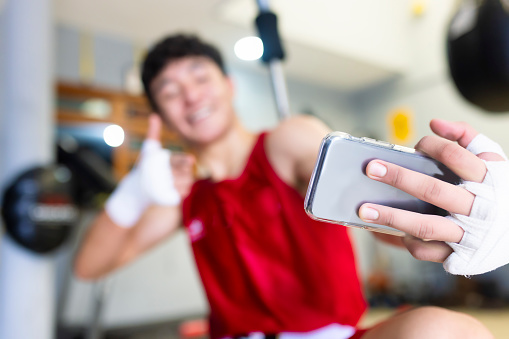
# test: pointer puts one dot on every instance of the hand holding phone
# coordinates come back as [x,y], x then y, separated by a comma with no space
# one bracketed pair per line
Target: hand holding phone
[448,147]
[339,185]
[477,232]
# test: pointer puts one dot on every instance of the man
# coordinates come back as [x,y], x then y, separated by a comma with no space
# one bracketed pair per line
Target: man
[266,267]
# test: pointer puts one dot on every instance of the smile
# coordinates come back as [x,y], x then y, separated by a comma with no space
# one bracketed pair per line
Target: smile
[199,115]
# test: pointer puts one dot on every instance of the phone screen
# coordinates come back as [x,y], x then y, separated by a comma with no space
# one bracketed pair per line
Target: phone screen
[339,185]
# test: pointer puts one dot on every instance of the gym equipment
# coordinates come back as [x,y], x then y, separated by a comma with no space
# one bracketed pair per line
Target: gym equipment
[38,208]
[478,53]
[266,22]
[273,54]
[96,180]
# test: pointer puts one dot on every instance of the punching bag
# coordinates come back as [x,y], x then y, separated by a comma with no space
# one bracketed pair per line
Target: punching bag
[39,209]
[478,53]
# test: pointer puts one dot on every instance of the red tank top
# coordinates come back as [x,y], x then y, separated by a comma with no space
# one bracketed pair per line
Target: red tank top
[265,265]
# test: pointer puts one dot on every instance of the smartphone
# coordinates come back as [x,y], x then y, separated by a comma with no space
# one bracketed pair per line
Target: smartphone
[339,184]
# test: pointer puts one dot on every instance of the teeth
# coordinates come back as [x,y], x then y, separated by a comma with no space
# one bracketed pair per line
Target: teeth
[199,114]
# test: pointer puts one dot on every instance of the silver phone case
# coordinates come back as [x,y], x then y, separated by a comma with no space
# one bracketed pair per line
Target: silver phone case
[338,185]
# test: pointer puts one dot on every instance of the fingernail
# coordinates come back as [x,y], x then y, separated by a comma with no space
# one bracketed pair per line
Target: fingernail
[368,214]
[376,169]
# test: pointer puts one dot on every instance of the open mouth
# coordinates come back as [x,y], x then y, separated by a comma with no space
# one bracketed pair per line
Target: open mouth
[199,115]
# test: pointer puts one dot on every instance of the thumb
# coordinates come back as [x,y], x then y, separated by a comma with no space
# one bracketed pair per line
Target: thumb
[154,127]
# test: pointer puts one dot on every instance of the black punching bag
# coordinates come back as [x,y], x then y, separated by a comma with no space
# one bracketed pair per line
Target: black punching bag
[38,208]
[478,53]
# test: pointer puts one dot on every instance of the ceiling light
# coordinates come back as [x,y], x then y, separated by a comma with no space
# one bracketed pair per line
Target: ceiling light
[249,48]
[113,135]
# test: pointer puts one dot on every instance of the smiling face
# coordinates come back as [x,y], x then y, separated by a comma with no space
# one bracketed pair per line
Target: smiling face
[195,98]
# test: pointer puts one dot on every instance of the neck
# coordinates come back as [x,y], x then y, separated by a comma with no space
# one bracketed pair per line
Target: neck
[226,157]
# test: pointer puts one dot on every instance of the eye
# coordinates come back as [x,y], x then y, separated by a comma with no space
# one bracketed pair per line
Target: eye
[201,75]
[202,78]
[170,92]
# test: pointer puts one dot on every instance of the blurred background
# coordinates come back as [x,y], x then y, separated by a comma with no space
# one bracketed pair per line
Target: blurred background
[367,67]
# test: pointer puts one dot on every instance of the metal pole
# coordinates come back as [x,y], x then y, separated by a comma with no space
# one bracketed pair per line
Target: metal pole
[279,87]
[277,76]
[101,291]
[263,5]
[27,280]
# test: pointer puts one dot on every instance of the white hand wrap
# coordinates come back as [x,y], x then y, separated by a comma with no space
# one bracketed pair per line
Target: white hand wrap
[150,182]
[483,247]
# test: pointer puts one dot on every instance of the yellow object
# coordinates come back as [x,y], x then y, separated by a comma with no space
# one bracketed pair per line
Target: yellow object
[400,126]
[419,7]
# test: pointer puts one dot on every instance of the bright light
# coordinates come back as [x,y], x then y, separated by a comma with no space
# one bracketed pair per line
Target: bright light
[113,135]
[249,48]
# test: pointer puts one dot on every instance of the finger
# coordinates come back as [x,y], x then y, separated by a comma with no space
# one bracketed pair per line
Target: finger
[489,156]
[154,127]
[461,132]
[436,251]
[182,162]
[423,226]
[183,185]
[452,198]
[462,162]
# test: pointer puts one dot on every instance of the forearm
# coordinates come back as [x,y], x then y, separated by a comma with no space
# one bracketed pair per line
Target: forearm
[101,248]
[107,246]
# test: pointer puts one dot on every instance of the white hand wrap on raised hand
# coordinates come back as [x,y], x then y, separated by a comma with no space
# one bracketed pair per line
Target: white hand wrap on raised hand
[483,247]
[150,182]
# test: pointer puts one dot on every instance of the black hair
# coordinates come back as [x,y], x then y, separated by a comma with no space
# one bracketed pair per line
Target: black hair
[172,48]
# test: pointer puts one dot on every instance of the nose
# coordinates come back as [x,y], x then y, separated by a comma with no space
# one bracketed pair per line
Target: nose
[192,93]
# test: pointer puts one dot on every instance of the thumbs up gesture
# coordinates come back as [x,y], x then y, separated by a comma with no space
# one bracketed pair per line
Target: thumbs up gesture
[165,177]
[159,178]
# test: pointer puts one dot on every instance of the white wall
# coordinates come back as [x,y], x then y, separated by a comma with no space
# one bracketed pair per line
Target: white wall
[256,106]
[426,88]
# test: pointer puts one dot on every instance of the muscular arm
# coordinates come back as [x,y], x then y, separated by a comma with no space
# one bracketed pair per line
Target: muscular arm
[292,149]
[108,246]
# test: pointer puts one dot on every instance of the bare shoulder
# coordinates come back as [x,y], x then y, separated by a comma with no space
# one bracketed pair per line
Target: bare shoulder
[296,132]
[293,145]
